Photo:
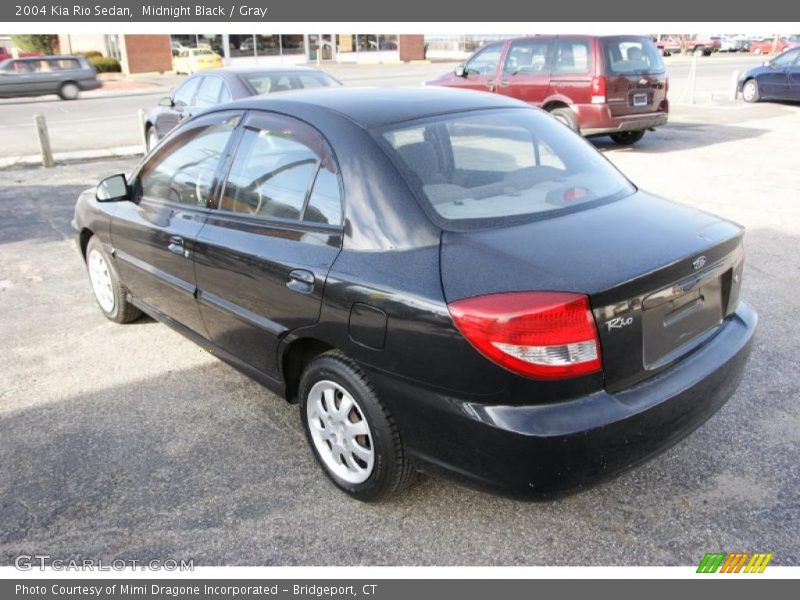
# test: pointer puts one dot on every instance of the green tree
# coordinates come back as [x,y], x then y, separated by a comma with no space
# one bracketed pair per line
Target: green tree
[45,44]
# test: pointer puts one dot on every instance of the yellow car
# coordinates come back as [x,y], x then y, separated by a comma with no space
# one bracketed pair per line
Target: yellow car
[192,60]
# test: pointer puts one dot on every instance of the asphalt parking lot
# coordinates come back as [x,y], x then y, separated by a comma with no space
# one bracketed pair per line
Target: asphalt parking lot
[131,442]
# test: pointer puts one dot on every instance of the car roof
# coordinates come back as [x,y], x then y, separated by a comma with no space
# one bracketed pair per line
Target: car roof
[375,107]
[49,56]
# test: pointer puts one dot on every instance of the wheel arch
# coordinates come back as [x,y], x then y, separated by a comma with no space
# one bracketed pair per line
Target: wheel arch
[554,103]
[83,237]
[295,358]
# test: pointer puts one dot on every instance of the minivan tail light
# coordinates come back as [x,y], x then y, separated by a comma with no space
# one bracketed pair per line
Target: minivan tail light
[598,90]
[543,335]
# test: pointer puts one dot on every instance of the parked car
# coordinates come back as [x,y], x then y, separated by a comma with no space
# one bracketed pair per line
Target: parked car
[734,44]
[65,75]
[614,85]
[423,271]
[223,85]
[668,46]
[777,79]
[194,60]
[765,45]
[793,41]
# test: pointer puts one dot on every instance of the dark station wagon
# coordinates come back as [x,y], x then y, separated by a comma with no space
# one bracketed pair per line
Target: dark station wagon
[443,280]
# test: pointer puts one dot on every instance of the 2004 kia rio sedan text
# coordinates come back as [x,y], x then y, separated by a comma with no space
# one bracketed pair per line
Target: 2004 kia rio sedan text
[443,280]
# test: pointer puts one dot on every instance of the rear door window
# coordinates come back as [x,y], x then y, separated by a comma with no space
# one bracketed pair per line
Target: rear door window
[625,55]
[528,57]
[283,170]
[572,56]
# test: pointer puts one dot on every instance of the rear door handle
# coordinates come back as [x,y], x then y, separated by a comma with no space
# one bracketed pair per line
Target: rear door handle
[301,281]
[490,83]
[503,83]
[176,246]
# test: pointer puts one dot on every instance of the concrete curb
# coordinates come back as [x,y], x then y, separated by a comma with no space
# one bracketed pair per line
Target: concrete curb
[35,160]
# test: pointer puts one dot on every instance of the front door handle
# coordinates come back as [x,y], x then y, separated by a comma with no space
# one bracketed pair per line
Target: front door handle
[176,246]
[300,280]
[490,83]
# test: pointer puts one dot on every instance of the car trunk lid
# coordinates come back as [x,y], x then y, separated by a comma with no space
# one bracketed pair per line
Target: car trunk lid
[660,276]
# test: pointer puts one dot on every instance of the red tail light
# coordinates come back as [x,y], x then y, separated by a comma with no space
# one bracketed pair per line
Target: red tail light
[543,335]
[598,90]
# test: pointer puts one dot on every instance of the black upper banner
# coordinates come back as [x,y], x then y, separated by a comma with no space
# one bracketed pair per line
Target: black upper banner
[130,11]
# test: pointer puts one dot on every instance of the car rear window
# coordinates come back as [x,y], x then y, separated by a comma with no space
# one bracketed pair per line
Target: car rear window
[478,168]
[624,55]
[270,82]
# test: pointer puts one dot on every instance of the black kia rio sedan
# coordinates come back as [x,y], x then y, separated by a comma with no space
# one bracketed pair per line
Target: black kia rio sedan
[443,280]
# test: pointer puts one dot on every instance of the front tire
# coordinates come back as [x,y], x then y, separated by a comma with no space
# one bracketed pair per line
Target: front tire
[627,138]
[152,138]
[750,91]
[69,91]
[109,291]
[351,432]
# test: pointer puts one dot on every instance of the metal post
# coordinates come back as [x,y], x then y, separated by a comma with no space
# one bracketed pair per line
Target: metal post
[142,115]
[44,140]
[693,76]
[735,87]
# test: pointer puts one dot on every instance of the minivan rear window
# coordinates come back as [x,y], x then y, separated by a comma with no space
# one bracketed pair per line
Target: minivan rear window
[631,55]
[484,167]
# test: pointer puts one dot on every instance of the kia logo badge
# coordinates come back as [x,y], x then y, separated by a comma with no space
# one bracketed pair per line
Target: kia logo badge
[699,262]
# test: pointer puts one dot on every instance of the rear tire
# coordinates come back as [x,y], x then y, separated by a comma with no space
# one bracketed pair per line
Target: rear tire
[627,138]
[351,432]
[566,116]
[69,91]
[109,291]
[750,91]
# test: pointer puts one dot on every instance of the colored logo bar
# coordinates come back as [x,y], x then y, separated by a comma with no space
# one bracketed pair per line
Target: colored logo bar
[736,562]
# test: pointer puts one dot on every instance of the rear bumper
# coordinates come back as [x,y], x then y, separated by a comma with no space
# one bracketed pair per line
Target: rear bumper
[596,119]
[89,84]
[547,450]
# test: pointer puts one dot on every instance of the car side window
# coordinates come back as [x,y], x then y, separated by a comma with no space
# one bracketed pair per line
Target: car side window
[786,59]
[527,57]
[485,61]
[572,56]
[283,169]
[185,93]
[209,91]
[68,64]
[184,170]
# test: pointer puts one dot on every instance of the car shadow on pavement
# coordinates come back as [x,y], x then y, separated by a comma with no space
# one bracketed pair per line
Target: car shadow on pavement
[681,135]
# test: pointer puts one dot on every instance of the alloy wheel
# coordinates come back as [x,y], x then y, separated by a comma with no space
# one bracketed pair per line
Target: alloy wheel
[100,277]
[340,432]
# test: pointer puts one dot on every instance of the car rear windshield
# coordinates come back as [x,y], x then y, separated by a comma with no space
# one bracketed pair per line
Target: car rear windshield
[282,81]
[628,54]
[482,168]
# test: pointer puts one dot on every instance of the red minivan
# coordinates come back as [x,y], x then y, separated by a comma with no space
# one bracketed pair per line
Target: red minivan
[611,85]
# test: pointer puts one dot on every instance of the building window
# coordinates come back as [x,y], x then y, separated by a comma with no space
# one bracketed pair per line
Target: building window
[292,44]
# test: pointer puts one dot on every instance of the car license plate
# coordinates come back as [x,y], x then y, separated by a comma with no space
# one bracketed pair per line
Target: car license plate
[640,99]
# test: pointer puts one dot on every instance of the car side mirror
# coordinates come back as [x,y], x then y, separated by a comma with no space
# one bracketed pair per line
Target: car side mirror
[768,63]
[113,189]
[460,71]
[168,102]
